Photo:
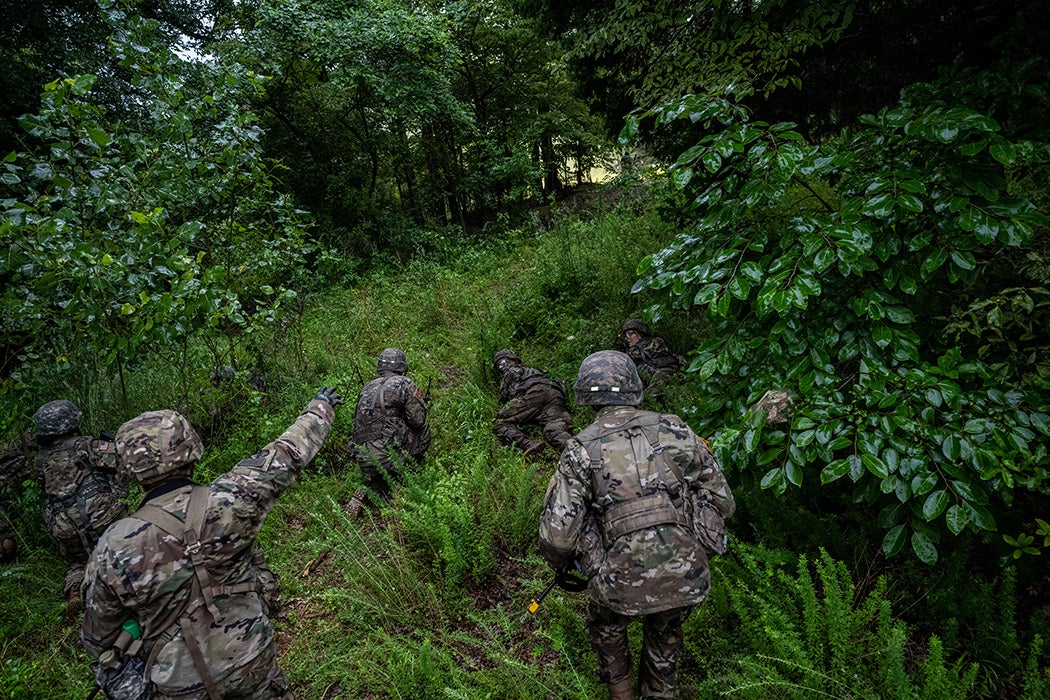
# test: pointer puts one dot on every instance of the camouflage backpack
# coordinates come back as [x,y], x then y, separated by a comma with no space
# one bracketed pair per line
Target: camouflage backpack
[673,504]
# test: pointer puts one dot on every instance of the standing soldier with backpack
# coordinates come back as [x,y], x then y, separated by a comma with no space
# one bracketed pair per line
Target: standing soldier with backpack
[184,567]
[625,506]
[528,396]
[82,491]
[390,427]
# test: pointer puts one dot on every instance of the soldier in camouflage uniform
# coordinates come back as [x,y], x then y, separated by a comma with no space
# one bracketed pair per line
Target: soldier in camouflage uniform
[655,361]
[528,396]
[390,427]
[616,505]
[81,487]
[185,565]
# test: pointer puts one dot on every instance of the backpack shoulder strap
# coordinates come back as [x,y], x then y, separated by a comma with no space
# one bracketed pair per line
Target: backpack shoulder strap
[202,585]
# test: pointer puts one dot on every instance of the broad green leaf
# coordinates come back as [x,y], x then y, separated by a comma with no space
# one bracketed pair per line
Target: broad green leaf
[923,483]
[935,504]
[893,542]
[794,473]
[924,548]
[740,288]
[951,447]
[957,518]
[875,465]
[834,470]
[910,202]
[772,478]
[1002,150]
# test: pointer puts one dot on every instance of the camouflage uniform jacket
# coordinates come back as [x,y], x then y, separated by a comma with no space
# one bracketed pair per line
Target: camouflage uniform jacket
[519,379]
[81,487]
[648,570]
[390,411]
[652,355]
[140,571]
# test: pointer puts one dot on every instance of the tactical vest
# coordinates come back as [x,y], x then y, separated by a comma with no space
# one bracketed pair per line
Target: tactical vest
[204,590]
[70,482]
[380,426]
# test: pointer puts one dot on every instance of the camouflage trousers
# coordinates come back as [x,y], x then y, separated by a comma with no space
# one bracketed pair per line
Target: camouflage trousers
[380,465]
[538,406]
[661,648]
[259,680]
[77,534]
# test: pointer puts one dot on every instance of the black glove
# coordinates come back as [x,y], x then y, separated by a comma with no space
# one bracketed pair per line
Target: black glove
[570,581]
[328,395]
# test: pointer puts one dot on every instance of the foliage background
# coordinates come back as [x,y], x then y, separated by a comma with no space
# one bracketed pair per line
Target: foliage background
[833,208]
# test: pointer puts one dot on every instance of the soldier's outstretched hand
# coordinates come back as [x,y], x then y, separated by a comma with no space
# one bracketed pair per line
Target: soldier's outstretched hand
[329,396]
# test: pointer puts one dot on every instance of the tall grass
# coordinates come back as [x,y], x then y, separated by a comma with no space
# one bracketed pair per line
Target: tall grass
[426,596]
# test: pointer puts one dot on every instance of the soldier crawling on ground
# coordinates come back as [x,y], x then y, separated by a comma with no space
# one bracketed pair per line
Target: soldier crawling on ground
[527,396]
[81,487]
[656,363]
[390,428]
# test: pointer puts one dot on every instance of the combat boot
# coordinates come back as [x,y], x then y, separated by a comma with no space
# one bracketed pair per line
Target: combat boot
[353,508]
[74,603]
[533,448]
[621,690]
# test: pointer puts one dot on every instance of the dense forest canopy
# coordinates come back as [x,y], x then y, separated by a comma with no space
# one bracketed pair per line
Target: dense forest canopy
[844,201]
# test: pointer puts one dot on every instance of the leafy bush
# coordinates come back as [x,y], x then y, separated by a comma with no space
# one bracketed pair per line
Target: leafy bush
[874,277]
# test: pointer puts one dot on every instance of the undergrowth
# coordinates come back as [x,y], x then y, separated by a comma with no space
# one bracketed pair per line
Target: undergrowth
[426,596]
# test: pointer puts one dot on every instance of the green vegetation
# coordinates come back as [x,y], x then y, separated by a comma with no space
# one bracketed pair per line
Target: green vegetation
[289,188]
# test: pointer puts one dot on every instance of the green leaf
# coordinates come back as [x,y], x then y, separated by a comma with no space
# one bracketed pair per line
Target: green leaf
[893,542]
[100,137]
[875,465]
[935,504]
[794,473]
[834,470]
[951,447]
[957,518]
[923,483]
[1002,150]
[880,206]
[740,288]
[681,177]
[910,202]
[924,548]
[712,161]
[772,478]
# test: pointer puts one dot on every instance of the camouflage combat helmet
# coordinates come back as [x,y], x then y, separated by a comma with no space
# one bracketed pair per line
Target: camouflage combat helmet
[505,355]
[608,378]
[392,360]
[637,325]
[157,443]
[57,418]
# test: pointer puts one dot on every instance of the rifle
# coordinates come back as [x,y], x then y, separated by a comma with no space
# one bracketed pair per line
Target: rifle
[427,398]
[563,579]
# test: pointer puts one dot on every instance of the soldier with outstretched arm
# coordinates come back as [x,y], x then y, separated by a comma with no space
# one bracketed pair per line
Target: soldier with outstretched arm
[185,565]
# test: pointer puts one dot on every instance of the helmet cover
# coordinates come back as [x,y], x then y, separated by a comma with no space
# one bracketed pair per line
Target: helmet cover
[157,443]
[636,325]
[57,418]
[505,355]
[392,360]
[608,378]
